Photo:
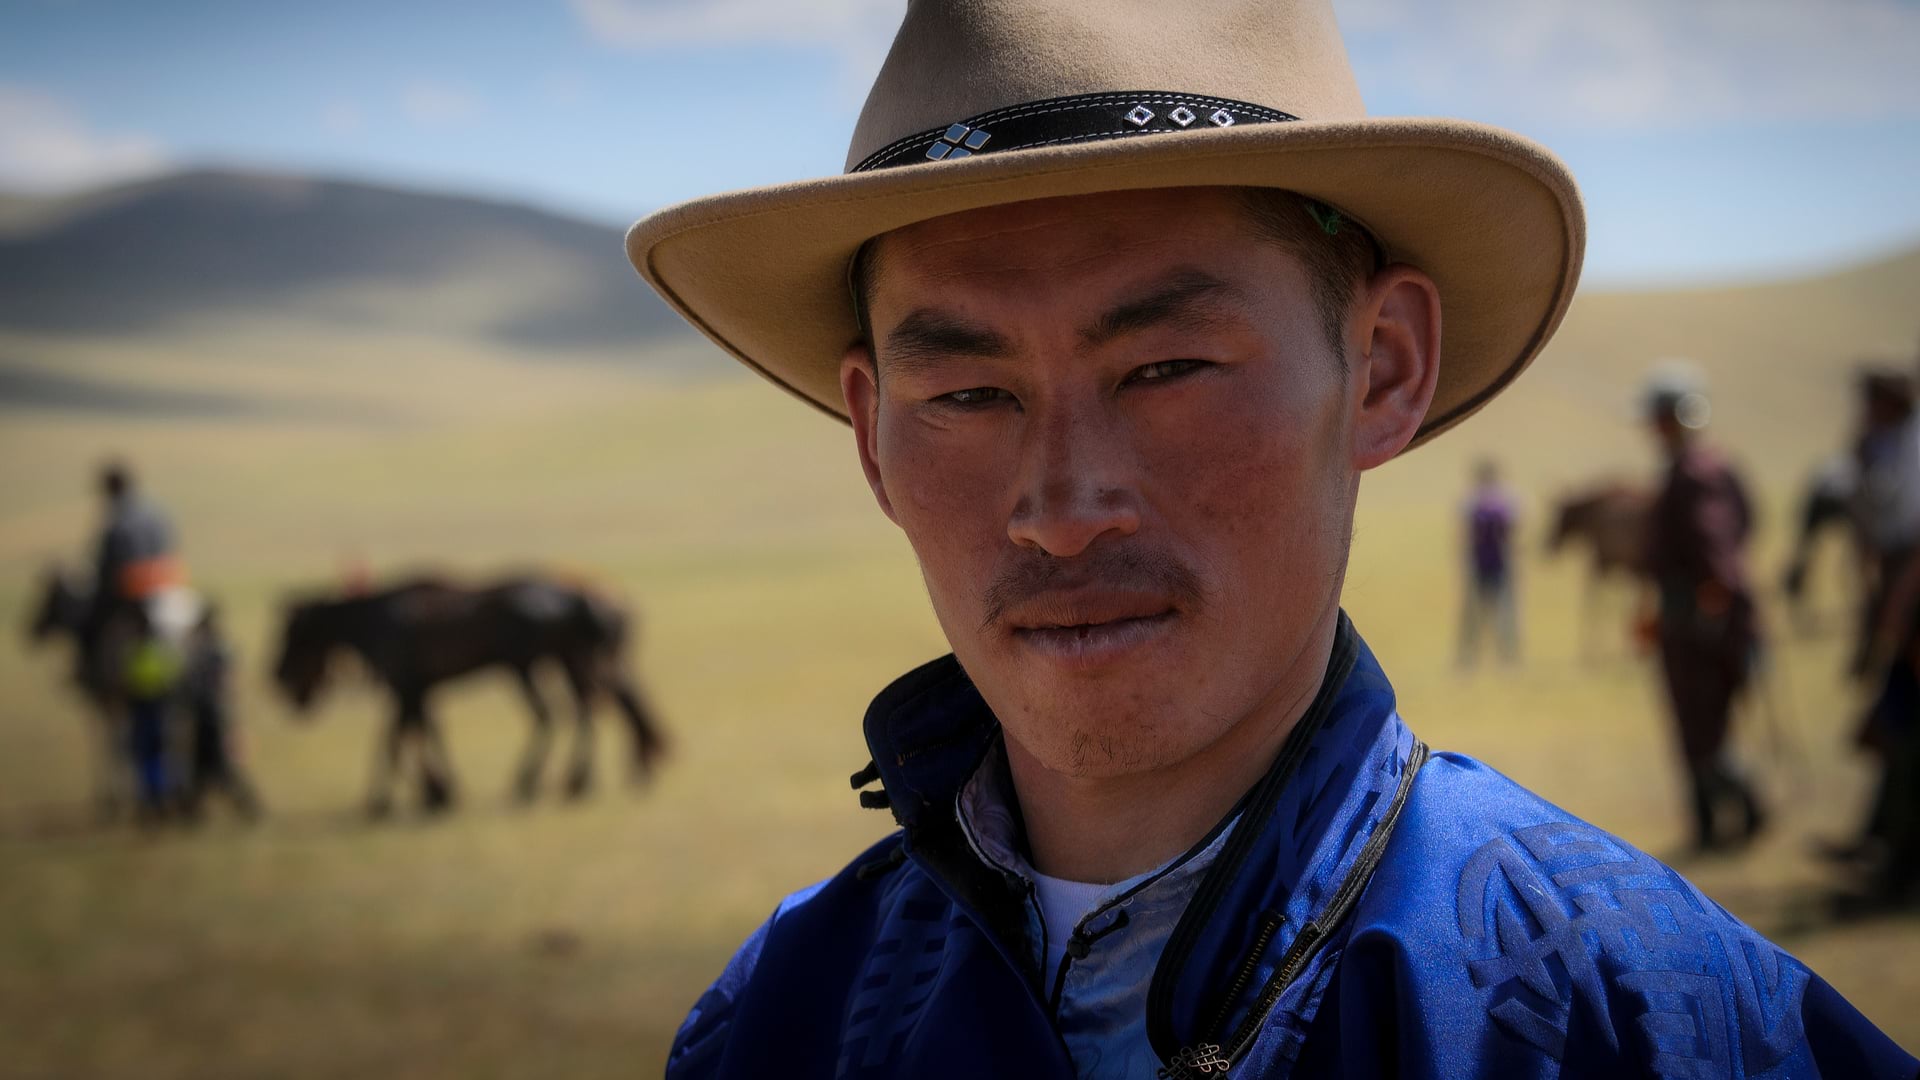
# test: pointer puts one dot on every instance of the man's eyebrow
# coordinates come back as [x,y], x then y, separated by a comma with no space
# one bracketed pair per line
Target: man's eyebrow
[926,337]
[1187,296]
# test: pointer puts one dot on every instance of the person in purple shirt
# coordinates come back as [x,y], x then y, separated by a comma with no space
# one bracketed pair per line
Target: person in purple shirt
[1489,599]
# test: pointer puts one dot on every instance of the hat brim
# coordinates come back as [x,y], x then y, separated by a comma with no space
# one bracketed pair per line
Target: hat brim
[1493,218]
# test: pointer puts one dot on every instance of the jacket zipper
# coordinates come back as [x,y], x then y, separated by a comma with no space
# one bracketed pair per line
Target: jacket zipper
[1214,1056]
[1253,818]
[1269,924]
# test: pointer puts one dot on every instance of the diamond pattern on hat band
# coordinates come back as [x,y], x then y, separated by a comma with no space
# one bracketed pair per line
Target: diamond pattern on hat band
[956,142]
[1080,118]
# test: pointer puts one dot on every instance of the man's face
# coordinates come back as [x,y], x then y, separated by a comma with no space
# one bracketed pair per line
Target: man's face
[1122,448]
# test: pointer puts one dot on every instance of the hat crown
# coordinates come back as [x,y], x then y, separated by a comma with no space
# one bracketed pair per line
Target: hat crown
[955,59]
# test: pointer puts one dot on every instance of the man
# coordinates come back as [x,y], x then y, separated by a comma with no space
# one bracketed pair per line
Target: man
[206,694]
[1889,653]
[1885,506]
[127,640]
[1489,596]
[1705,623]
[1121,299]
[134,557]
[1887,499]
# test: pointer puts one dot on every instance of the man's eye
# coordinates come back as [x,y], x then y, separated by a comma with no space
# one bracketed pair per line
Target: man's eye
[1165,369]
[975,396]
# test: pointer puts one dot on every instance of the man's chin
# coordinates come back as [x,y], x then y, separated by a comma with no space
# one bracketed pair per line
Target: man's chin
[1094,728]
[1102,750]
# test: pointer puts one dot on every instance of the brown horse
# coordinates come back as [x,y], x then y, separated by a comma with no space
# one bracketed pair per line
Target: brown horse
[1612,520]
[421,633]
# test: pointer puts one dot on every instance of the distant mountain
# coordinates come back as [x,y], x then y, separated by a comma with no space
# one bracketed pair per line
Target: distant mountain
[206,246]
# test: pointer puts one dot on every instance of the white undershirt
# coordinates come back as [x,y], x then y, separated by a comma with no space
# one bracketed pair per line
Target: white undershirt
[1062,905]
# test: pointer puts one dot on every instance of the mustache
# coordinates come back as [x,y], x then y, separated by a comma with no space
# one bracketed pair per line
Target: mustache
[1032,575]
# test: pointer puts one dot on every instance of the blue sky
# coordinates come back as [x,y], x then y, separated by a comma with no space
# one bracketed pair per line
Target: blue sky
[1714,139]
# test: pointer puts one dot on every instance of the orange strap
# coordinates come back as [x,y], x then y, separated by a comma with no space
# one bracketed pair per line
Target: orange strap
[140,580]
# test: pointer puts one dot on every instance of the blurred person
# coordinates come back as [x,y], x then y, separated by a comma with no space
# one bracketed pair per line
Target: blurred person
[1706,627]
[1489,587]
[1887,507]
[206,695]
[153,669]
[1889,842]
[1891,838]
[1887,496]
[135,556]
[1159,812]
[138,606]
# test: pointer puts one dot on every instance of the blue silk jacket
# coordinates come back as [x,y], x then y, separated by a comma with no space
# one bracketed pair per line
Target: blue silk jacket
[1372,910]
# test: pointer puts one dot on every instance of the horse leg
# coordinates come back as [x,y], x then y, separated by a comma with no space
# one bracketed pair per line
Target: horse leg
[113,786]
[436,767]
[533,761]
[580,772]
[386,762]
[649,743]
[1589,600]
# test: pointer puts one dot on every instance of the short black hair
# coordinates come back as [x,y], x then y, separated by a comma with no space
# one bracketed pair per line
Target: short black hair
[1338,252]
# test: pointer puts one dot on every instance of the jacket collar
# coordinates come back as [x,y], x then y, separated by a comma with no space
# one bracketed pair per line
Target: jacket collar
[1297,844]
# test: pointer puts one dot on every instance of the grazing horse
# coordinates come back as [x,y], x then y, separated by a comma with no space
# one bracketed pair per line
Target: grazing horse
[1612,519]
[418,634]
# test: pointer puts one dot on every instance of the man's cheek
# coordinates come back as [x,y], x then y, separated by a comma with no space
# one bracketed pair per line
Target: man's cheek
[950,520]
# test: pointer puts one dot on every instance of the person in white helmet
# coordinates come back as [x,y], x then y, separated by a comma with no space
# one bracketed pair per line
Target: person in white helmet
[1706,625]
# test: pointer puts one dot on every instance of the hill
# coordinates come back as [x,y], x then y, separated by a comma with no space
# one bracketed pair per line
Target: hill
[123,299]
[211,246]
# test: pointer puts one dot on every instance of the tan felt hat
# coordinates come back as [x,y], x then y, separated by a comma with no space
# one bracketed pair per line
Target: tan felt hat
[986,102]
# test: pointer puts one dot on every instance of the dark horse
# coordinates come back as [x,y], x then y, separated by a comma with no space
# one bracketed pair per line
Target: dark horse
[62,612]
[419,634]
[1612,519]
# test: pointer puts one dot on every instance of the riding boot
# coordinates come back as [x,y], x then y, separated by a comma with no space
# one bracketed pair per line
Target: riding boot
[1753,813]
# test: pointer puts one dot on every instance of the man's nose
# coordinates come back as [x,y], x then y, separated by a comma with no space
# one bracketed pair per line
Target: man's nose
[1076,487]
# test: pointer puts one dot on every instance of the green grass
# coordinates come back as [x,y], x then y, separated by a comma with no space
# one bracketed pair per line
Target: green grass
[569,940]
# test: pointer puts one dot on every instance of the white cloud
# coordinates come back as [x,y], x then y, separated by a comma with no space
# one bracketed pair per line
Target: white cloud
[435,104]
[45,145]
[1639,62]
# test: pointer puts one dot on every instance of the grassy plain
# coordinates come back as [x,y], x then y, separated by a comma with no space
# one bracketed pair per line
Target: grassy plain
[569,940]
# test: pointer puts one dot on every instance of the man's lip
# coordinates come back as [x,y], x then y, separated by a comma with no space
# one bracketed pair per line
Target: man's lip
[1067,609]
[1093,646]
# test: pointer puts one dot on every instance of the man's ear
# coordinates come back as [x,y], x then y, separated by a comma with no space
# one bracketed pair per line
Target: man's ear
[860,386]
[1397,320]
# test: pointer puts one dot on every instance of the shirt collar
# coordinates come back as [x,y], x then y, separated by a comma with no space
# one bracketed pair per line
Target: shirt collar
[988,812]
